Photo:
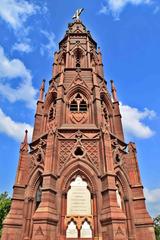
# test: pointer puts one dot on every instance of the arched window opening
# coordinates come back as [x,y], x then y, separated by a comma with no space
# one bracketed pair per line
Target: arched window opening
[93,59]
[118,158]
[119,195]
[78,104]
[72,231]
[83,106]
[52,111]
[86,231]
[74,106]
[79,210]
[119,200]
[38,195]
[51,114]
[39,157]
[78,58]
[124,202]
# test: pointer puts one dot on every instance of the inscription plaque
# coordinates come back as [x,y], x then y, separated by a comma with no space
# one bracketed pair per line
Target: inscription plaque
[78,198]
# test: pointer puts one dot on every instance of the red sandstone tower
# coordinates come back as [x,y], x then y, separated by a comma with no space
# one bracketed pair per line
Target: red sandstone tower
[78,179]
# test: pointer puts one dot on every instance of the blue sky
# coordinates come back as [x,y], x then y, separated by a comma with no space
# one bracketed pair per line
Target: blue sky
[128,32]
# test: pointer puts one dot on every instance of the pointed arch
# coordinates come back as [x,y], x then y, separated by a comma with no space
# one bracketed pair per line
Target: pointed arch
[83,106]
[123,179]
[127,201]
[93,184]
[50,98]
[81,165]
[71,230]
[34,181]
[94,57]
[82,109]
[86,229]
[32,197]
[78,54]
[74,168]
[107,102]
[79,47]
[62,57]
[81,89]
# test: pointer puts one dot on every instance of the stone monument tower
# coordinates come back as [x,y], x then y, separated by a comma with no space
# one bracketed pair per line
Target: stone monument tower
[78,178]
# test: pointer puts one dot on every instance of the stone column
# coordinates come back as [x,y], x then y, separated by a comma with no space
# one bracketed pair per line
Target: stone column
[113,220]
[45,218]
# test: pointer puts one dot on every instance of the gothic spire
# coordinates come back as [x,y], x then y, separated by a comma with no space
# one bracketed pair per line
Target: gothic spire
[26,137]
[24,144]
[42,89]
[114,92]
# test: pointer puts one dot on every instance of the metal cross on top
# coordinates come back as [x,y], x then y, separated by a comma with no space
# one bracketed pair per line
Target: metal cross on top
[77,13]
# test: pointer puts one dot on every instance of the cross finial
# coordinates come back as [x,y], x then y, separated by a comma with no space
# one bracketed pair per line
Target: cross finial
[77,13]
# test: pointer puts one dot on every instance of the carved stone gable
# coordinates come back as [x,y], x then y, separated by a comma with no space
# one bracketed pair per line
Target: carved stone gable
[78,80]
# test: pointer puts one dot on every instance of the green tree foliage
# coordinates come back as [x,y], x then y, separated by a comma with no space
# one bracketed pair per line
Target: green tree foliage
[157,227]
[5,203]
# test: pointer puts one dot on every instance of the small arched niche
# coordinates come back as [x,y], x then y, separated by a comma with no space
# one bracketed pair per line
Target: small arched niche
[120,195]
[86,231]
[52,111]
[119,199]
[38,196]
[72,231]
[78,58]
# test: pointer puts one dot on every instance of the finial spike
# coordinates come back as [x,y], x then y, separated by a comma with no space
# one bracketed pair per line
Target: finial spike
[24,144]
[26,137]
[114,92]
[42,89]
[99,50]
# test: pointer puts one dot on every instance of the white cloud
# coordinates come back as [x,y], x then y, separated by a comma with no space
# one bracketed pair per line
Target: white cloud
[104,9]
[117,6]
[153,200]
[152,195]
[22,47]
[16,12]
[11,69]
[132,120]
[50,45]
[14,129]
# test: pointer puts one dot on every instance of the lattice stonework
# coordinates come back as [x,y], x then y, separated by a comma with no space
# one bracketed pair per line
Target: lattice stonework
[66,148]
[91,148]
